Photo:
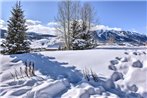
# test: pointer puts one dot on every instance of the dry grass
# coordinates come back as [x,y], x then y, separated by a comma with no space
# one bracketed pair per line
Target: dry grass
[27,71]
[89,74]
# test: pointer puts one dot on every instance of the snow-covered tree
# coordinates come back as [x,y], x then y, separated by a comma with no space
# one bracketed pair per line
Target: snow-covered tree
[81,39]
[75,29]
[16,41]
[87,15]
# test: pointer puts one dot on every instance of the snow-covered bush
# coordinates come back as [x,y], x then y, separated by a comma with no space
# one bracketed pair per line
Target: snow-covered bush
[79,44]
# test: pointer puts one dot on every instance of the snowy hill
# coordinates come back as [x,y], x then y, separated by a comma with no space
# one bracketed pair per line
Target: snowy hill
[30,35]
[120,37]
[37,40]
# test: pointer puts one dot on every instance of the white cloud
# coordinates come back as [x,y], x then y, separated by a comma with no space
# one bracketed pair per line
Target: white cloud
[41,29]
[32,22]
[36,26]
[3,24]
[103,27]
[52,24]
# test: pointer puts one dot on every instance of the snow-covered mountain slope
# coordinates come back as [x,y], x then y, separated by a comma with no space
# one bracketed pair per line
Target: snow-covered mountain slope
[30,35]
[37,40]
[62,74]
[46,43]
[120,37]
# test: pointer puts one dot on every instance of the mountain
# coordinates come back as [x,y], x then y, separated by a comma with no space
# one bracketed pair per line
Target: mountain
[36,36]
[30,35]
[102,36]
[120,37]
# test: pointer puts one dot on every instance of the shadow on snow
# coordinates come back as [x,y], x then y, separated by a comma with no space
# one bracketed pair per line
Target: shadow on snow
[49,67]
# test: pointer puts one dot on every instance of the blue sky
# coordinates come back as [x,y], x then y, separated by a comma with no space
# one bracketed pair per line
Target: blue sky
[128,15]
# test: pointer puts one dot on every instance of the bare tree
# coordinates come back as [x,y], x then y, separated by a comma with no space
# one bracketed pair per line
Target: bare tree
[64,18]
[76,10]
[87,16]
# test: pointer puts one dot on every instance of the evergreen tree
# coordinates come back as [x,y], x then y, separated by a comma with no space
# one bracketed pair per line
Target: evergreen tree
[16,41]
[81,38]
[75,29]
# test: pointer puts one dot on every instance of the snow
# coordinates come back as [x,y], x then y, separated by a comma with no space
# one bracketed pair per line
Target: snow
[93,59]
[50,43]
[59,74]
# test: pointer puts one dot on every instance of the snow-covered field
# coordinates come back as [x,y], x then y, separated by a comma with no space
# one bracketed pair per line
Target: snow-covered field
[97,73]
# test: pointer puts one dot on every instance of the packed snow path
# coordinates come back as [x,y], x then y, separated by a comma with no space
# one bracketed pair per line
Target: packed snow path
[60,74]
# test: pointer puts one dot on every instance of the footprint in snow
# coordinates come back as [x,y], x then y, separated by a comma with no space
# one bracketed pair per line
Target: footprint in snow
[135,53]
[133,88]
[125,59]
[112,67]
[114,62]
[126,53]
[118,58]
[137,64]
[144,52]
[117,76]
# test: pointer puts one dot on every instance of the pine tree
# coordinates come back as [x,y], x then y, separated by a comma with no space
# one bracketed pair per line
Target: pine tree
[75,29]
[16,41]
[81,38]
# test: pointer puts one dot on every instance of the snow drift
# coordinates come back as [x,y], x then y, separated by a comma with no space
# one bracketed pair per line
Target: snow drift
[59,74]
